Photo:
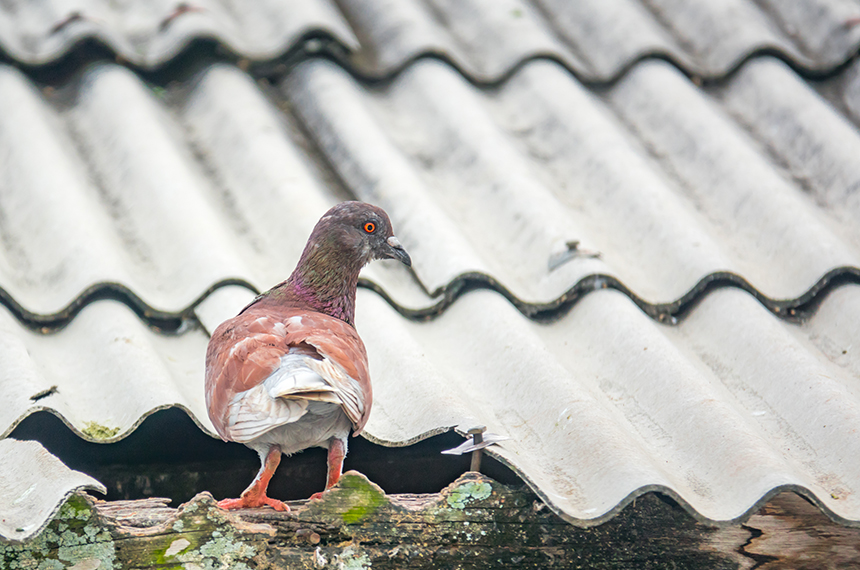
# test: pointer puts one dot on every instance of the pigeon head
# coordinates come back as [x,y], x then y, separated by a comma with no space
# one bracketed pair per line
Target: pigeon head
[357,233]
[345,239]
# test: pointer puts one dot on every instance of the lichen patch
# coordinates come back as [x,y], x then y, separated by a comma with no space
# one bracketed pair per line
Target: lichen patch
[74,539]
[467,493]
[351,559]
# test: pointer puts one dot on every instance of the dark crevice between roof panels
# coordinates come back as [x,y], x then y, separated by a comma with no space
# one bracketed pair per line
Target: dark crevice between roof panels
[792,310]
[88,51]
[278,70]
[322,45]
[168,455]
[166,322]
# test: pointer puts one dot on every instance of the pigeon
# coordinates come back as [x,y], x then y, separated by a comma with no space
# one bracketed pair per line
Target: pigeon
[289,372]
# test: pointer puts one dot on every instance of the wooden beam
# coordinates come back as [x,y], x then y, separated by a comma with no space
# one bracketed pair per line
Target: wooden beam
[791,533]
[475,522]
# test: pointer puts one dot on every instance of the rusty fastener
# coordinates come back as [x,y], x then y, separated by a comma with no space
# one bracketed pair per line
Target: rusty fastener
[480,439]
[477,434]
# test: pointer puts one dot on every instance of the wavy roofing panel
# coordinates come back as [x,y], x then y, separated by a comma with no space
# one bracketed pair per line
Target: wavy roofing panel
[816,145]
[604,404]
[655,175]
[219,179]
[151,33]
[167,193]
[136,207]
[598,39]
[102,374]
[849,91]
[33,486]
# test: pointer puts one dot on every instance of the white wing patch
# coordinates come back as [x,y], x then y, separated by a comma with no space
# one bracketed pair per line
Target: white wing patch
[254,412]
[297,378]
[345,387]
[284,396]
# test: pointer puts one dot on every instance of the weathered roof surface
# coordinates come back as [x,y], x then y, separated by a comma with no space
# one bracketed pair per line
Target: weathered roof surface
[597,414]
[560,164]
[598,39]
[716,212]
[102,374]
[606,404]
[33,486]
[169,193]
[149,34]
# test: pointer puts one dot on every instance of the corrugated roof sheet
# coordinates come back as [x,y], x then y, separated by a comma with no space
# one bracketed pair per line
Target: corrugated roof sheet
[159,197]
[714,210]
[149,34]
[558,164]
[598,39]
[606,404]
[33,486]
[102,374]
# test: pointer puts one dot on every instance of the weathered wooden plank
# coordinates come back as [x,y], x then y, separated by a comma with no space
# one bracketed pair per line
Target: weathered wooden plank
[473,523]
[790,533]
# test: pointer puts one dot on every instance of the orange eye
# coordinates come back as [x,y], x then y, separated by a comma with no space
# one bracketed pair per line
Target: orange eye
[370,227]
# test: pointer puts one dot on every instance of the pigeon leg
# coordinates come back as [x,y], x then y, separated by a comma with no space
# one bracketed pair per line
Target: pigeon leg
[255,495]
[336,453]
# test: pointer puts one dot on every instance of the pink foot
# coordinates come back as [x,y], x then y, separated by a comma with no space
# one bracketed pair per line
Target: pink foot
[248,503]
[317,496]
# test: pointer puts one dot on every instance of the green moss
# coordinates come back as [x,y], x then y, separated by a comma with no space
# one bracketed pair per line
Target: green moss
[362,497]
[98,431]
[467,493]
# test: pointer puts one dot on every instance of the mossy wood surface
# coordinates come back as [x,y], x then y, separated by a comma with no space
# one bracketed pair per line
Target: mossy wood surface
[474,523]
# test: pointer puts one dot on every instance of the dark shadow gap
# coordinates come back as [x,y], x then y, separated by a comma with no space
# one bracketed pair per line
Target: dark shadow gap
[168,456]
[320,43]
[160,321]
[792,310]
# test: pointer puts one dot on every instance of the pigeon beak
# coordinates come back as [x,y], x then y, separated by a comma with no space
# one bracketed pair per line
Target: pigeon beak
[396,251]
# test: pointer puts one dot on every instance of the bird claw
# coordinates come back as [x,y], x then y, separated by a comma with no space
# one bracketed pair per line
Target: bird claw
[276,504]
[246,503]
[317,496]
